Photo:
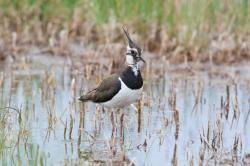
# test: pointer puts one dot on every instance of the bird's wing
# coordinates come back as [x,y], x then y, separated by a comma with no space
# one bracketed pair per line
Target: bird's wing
[105,91]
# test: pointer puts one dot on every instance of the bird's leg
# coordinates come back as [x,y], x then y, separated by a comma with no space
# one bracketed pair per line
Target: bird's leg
[112,122]
[112,147]
[103,110]
[122,136]
[122,128]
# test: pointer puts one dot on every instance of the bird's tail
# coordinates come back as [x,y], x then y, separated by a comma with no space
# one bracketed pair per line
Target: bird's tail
[83,98]
[87,97]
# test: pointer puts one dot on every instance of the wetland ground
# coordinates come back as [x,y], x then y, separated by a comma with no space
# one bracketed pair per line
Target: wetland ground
[189,115]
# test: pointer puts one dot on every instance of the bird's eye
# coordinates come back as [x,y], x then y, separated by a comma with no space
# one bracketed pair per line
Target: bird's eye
[133,52]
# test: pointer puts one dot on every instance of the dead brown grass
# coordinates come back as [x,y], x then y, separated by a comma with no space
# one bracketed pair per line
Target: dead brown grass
[79,38]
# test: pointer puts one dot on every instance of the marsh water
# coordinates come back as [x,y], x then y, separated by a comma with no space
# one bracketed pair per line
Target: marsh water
[186,117]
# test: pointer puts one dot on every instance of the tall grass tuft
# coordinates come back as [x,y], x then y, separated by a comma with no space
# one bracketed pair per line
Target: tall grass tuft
[174,14]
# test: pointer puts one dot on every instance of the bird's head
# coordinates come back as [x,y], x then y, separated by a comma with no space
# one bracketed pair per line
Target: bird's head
[134,52]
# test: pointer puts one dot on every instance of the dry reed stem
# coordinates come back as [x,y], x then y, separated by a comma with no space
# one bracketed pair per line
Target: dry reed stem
[65,130]
[248,113]
[174,109]
[204,139]
[81,124]
[236,104]
[227,106]
[198,96]
[174,158]
[71,126]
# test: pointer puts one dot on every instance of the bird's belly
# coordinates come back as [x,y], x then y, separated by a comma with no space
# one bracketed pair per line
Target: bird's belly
[124,97]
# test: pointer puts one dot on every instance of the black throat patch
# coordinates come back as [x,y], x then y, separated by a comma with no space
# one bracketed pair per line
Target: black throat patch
[131,80]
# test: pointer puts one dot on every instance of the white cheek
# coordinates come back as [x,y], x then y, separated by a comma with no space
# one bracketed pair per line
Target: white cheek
[129,59]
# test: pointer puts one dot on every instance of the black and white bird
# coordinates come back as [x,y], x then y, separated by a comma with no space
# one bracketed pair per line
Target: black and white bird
[121,89]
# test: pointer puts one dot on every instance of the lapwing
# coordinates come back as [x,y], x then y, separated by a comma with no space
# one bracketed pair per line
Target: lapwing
[123,88]
[120,89]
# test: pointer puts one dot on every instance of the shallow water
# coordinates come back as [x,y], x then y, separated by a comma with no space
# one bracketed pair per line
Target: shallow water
[185,119]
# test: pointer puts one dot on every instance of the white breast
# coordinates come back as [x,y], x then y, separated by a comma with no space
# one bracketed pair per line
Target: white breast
[124,97]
